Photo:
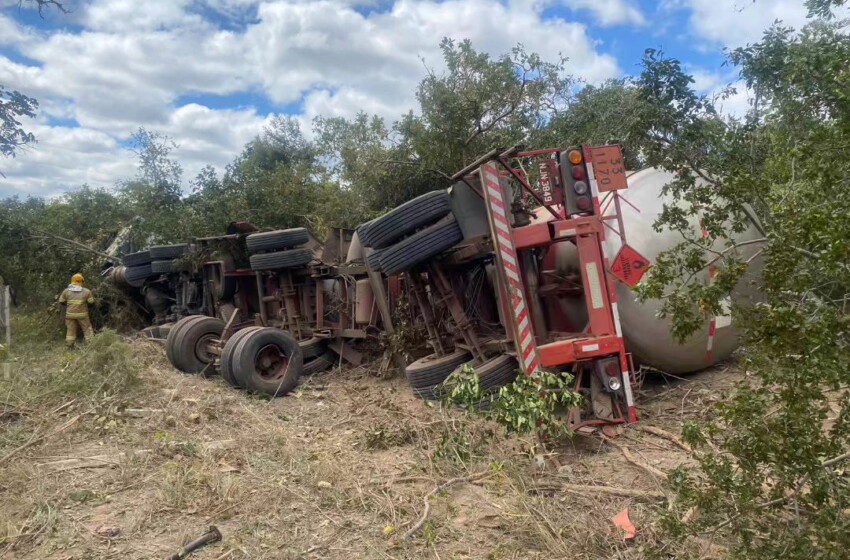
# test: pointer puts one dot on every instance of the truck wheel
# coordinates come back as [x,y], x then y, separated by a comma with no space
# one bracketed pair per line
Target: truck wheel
[190,353]
[293,258]
[318,364]
[268,361]
[492,375]
[402,220]
[167,267]
[280,239]
[227,352]
[136,275]
[496,372]
[171,339]
[426,374]
[312,347]
[167,252]
[136,259]
[223,287]
[420,247]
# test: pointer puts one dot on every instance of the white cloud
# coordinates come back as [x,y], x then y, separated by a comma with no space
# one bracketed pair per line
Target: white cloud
[610,12]
[132,63]
[730,94]
[735,23]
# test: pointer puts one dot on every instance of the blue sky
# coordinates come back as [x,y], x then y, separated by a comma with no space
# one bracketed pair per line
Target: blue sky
[211,73]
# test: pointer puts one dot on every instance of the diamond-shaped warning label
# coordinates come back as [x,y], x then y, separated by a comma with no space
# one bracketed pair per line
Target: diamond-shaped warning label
[629,266]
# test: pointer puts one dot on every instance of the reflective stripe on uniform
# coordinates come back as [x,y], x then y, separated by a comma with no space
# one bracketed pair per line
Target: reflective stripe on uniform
[76,315]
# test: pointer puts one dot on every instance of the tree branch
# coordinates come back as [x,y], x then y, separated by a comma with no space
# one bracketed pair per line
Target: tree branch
[71,242]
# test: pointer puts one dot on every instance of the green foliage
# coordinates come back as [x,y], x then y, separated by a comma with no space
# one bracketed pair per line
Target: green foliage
[13,106]
[529,404]
[478,103]
[463,387]
[770,481]
[598,115]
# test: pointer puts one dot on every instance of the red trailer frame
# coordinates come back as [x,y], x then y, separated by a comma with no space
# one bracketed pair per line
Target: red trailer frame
[603,337]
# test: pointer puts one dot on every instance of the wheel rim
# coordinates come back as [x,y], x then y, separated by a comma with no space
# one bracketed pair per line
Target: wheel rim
[271,362]
[201,348]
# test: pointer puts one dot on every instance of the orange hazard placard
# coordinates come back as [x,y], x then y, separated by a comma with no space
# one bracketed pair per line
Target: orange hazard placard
[629,266]
[609,168]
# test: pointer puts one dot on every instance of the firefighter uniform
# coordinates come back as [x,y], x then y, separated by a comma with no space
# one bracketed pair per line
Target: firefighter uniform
[77,298]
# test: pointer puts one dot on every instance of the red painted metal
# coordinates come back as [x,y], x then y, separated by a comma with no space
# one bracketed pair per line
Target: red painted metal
[535,235]
[549,347]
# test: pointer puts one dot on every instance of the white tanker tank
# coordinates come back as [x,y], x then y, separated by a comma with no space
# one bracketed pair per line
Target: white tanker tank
[648,336]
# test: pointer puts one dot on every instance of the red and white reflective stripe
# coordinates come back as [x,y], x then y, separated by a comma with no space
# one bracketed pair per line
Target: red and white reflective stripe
[507,255]
[624,364]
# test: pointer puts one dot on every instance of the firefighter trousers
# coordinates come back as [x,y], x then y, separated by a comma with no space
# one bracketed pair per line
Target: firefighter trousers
[72,326]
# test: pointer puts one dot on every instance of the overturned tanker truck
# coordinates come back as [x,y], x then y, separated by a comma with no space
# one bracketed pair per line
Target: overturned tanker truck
[525,263]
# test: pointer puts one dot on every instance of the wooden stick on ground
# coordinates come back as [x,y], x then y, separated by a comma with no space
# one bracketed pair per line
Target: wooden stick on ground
[608,490]
[439,488]
[656,473]
[664,434]
[37,438]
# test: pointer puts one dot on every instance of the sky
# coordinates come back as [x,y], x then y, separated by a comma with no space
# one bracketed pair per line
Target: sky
[211,73]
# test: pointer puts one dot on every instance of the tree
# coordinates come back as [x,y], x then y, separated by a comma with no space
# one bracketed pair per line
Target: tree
[477,104]
[771,483]
[13,106]
[155,193]
[42,5]
[597,115]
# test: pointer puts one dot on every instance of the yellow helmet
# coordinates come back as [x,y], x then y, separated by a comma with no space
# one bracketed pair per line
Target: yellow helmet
[77,279]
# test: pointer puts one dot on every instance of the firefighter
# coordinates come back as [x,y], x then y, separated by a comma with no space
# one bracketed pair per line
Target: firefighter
[77,299]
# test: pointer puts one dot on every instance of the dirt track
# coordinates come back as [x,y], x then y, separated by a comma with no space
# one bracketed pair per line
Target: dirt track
[337,470]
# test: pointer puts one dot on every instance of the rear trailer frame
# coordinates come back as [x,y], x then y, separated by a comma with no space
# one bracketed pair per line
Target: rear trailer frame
[597,349]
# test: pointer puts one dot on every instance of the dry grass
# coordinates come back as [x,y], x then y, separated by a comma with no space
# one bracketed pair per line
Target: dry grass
[337,470]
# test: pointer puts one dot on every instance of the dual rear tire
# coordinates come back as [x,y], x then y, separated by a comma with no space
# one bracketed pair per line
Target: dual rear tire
[259,359]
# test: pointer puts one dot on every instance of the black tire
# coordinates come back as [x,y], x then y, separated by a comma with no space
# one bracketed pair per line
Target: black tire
[318,364]
[293,258]
[312,347]
[496,372]
[426,374]
[420,247]
[373,261]
[223,287]
[136,275]
[274,240]
[493,374]
[171,339]
[361,231]
[167,267]
[189,349]
[168,252]
[402,220]
[226,365]
[136,259]
[268,361]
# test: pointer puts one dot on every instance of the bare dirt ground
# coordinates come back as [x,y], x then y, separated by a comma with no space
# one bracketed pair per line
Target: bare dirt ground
[337,470]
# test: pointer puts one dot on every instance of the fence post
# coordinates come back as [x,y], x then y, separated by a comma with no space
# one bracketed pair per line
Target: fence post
[5,321]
